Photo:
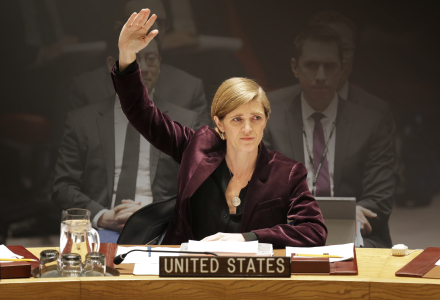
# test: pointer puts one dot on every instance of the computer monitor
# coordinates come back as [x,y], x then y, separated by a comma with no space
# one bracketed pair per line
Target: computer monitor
[340,218]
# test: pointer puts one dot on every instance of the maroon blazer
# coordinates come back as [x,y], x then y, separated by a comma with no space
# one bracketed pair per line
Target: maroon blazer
[277,191]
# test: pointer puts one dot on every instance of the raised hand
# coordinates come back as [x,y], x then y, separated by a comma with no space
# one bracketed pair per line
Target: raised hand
[134,38]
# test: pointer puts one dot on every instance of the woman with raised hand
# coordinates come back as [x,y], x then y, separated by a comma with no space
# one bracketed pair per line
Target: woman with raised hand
[230,187]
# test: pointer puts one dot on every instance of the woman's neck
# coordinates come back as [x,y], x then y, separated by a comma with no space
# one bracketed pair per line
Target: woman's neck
[241,163]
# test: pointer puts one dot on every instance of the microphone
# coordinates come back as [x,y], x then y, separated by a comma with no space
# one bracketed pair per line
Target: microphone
[120,258]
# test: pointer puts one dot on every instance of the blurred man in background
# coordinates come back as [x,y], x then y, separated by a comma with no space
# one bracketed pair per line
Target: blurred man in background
[347,30]
[359,161]
[104,165]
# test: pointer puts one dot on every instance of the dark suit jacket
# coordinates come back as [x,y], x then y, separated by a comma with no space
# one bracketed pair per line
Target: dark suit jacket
[85,170]
[355,95]
[277,190]
[364,157]
[174,85]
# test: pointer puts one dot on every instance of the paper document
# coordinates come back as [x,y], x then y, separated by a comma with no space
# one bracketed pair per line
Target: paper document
[437,263]
[264,249]
[144,257]
[6,253]
[344,250]
[222,246]
[146,269]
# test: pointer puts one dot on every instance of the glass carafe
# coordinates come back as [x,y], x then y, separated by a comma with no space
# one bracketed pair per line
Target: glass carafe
[77,234]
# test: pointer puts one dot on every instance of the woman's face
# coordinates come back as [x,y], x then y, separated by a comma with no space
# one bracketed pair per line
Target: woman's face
[244,126]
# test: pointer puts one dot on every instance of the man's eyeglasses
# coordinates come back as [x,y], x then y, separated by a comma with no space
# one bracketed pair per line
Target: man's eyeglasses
[152,59]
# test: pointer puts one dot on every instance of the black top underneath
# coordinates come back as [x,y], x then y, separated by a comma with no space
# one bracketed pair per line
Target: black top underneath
[209,208]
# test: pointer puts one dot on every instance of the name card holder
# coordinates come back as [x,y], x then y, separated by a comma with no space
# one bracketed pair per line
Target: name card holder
[309,265]
[222,266]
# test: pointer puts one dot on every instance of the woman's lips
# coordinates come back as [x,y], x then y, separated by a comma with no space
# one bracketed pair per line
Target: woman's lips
[247,138]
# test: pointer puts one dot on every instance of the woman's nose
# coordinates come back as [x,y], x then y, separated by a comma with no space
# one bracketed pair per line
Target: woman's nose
[247,127]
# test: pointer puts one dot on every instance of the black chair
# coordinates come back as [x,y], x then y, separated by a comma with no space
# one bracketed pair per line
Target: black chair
[148,225]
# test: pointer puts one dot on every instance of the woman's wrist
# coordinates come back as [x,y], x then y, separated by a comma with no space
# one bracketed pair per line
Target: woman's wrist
[125,59]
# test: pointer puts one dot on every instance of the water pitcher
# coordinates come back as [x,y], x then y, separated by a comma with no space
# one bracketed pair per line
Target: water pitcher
[77,234]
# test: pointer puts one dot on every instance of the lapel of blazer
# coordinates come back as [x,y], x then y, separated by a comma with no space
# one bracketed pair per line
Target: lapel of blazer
[106,128]
[256,186]
[207,164]
[155,153]
[344,124]
[205,168]
[294,125]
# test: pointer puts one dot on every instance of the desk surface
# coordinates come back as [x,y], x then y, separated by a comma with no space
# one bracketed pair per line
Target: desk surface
[376,280]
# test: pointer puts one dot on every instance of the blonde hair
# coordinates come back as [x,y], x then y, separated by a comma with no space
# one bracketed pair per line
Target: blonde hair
[235,92]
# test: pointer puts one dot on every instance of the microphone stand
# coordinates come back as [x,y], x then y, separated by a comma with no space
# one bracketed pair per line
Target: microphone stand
[120,258]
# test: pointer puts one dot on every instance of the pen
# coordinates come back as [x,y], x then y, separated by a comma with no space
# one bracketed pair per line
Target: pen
[17,259]
[149,253]
[318,255]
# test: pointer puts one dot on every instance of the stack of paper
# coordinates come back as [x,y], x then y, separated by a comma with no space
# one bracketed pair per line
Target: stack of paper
[222,246]
[6,253]
[437,263]
[346,251]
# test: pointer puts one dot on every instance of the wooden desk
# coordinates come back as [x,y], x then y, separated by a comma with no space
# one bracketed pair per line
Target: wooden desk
[376,280]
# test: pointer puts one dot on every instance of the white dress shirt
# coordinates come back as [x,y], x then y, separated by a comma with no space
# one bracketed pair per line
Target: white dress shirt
[309,126]
[143,186]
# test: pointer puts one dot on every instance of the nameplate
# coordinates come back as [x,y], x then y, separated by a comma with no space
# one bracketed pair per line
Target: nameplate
[221,266]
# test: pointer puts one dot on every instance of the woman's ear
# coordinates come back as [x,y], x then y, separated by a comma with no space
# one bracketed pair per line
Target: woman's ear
[219,124]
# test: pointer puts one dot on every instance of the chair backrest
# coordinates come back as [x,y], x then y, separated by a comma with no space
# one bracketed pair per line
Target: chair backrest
[146,225]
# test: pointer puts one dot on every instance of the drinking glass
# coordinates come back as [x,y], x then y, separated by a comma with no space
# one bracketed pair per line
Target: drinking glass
[48,258]
[94,264]
[71,265]
[77,234]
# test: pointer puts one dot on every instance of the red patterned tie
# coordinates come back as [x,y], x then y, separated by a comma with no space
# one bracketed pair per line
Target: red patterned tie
[323,188]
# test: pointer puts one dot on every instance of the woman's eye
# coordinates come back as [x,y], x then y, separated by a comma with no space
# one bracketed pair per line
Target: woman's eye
[236,119]
[257,118]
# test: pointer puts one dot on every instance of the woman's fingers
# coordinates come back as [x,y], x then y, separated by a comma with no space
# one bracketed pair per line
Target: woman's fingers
[150,21]
[213,237]
[131,19]
[209,238]
[220,236]
[141,18]
[151,35]
[232,237]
